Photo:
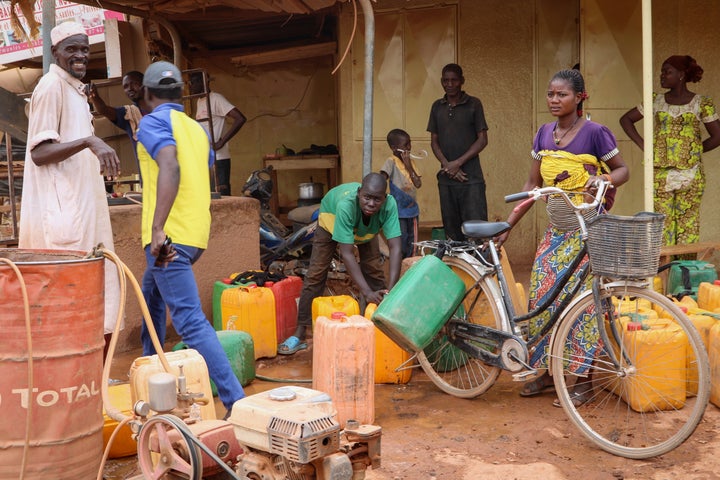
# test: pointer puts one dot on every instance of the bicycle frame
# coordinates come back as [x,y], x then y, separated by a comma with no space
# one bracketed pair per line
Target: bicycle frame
[462,333]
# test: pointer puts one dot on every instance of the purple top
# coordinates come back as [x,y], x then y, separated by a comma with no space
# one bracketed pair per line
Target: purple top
[592,138]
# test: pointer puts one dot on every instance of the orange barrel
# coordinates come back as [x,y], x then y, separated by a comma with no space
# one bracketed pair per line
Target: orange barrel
[709,295]
[326,306]
[252,310]
[343,365]
[388,356]
[67,305]
[287,294]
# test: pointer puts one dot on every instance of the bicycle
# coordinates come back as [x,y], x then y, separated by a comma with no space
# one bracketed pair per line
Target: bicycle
[629,410]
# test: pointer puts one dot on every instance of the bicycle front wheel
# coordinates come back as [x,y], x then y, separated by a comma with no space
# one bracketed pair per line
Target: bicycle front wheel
[651,397]
[451,369]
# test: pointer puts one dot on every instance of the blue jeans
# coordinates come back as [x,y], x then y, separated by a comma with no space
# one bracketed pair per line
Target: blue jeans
[407,236]
[174,286]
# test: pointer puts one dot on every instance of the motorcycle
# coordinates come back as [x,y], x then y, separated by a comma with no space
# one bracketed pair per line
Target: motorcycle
[287,251]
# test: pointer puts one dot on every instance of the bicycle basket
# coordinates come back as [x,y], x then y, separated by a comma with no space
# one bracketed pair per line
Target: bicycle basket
[625,247]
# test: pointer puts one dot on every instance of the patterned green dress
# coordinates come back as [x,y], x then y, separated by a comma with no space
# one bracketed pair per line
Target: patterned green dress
[679,180]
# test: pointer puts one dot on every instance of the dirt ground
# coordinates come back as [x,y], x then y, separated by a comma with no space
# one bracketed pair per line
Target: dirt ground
[429,435]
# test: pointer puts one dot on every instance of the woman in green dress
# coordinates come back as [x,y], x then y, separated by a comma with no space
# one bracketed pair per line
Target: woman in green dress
[679,180]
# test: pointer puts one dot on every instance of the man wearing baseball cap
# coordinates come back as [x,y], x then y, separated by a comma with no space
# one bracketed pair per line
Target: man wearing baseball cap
[176,222]
[63,200]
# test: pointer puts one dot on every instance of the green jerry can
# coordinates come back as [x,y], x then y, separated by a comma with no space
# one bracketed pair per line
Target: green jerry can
[218,288]
[685,277]
[414,311]
[238,347]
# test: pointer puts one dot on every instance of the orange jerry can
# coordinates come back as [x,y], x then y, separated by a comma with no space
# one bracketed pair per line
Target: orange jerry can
[344,365]
[251,309]
[326,306]
[709,295]
[287,294]
[123,444]
[714,354]
[388,356]
[703,324]
[660,353]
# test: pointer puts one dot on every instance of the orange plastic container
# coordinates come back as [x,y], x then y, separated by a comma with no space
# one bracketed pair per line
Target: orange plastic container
[703,324]
[194,369]
[326,306]
[388,356]
[714,354]
[66,299]
[709,295]
[123,445]
[287,294]
[343,365]
[659,354]
[252,309]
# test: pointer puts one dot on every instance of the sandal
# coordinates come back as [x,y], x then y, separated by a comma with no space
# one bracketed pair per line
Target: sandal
[538,386]
[578,398]
[291,345]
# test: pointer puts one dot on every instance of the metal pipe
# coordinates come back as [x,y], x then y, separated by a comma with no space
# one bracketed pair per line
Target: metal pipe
[174,36]
[368,111]
[648,113]
[48,21]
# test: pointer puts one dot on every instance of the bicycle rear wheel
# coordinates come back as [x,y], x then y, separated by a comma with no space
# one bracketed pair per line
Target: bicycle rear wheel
[450,369]
[653,400]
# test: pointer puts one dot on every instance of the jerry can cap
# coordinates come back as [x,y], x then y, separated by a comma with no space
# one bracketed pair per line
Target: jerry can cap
[634,326]
[337,315]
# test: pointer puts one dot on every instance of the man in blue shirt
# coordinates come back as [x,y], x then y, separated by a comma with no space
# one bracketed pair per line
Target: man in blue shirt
[126,117]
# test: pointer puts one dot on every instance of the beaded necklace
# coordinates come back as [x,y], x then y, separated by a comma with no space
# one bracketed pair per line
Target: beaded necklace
[555,138]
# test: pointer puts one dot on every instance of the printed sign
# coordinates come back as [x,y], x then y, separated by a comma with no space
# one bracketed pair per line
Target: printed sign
[13,49]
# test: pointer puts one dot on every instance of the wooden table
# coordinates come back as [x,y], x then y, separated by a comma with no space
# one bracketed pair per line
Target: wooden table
[329,163]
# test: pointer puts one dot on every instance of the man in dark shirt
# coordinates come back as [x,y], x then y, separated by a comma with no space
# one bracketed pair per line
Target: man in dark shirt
[458,133]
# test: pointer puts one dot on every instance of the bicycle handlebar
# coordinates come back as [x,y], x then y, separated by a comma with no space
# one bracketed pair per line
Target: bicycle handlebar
[536,193]
[514,197]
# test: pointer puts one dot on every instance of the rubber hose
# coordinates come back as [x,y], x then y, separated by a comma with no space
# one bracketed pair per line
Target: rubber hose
[283,380]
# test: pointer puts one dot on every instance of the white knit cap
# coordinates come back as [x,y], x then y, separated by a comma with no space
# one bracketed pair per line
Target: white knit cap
[65,30]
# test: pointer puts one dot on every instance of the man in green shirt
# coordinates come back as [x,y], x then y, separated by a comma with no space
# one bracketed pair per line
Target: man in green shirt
[350,214]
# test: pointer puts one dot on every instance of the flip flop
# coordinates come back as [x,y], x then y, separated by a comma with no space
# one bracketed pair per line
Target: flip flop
[291,345]
[537,387]
[578,399]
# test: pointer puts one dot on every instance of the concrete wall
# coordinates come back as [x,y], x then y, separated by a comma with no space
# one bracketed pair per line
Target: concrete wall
[234,247]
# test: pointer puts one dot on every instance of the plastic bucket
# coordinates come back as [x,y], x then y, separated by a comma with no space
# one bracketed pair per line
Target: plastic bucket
[67,304]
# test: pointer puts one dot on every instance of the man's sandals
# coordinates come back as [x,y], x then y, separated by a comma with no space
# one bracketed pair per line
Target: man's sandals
[291,345]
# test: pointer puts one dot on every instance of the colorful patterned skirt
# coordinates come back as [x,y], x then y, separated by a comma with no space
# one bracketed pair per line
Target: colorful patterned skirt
[554,255]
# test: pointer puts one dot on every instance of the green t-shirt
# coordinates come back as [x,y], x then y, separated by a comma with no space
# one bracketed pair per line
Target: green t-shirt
[340,215]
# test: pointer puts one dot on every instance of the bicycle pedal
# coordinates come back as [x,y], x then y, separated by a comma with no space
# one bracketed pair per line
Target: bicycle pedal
[524,376]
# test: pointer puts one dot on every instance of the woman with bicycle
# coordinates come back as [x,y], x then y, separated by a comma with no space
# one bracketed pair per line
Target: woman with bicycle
[571,153]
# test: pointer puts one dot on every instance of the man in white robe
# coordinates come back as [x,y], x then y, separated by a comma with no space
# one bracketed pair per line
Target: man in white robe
[63,200]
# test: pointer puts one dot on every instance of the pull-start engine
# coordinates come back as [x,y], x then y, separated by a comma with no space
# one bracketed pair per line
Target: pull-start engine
[288,433]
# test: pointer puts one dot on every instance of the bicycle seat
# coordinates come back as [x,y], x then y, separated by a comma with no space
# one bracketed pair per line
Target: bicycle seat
[480,229]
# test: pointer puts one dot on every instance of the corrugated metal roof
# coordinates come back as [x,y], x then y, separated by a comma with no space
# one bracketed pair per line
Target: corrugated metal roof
[209,27]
